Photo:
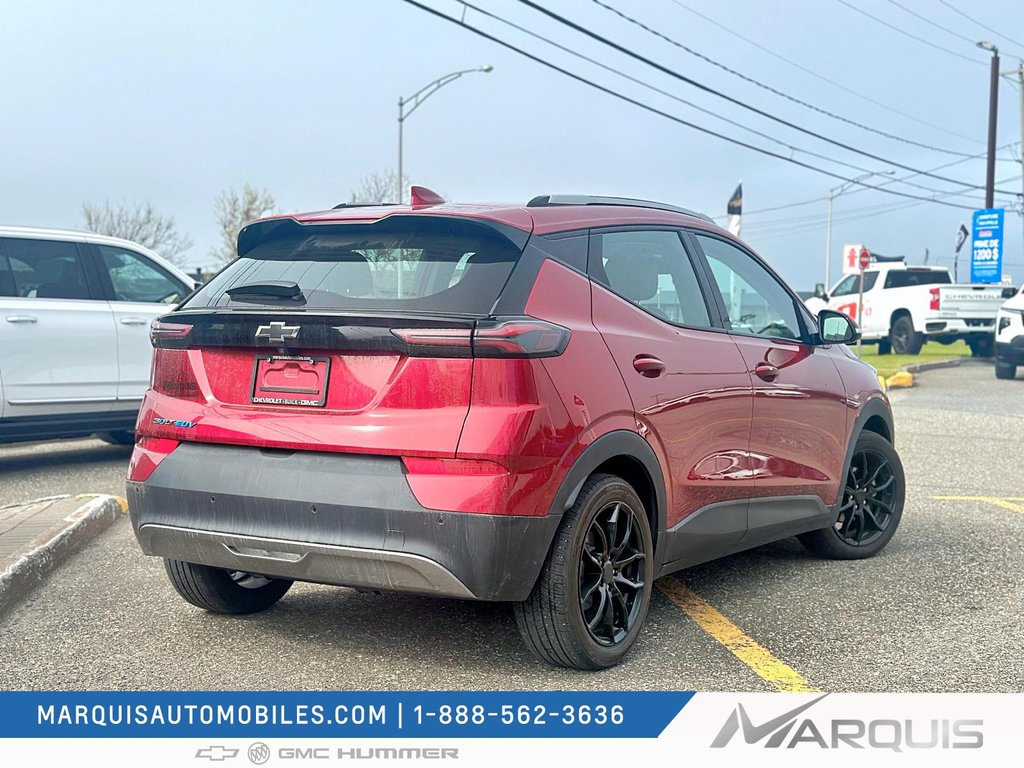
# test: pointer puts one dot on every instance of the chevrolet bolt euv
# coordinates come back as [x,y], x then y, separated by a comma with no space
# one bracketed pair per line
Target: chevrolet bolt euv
[551,405]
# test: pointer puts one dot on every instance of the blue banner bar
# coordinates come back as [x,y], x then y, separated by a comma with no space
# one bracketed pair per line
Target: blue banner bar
[224,714]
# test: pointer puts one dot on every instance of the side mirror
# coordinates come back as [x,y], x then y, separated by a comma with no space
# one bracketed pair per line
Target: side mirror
[836,328]
[819,291]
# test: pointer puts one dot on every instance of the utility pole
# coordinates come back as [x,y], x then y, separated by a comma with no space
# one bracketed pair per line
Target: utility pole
[993,109]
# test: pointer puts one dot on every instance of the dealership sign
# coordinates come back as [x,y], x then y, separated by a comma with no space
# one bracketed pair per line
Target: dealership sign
[987,246]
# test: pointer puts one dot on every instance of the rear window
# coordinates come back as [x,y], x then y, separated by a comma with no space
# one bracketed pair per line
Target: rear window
[908,277]
[413,263]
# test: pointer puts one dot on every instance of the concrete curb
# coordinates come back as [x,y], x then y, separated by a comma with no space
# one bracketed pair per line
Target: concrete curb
[91,515]
[919,367]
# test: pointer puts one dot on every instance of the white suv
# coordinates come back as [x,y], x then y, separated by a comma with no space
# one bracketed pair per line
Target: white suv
[75,310]
[1010,337]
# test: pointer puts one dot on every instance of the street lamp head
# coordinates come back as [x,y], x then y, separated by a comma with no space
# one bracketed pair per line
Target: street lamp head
[987,46]
[486,68]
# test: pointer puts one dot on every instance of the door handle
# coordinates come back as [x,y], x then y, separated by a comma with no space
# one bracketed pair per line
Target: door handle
[22,319]
[132,320]
[766,371]
[648,366]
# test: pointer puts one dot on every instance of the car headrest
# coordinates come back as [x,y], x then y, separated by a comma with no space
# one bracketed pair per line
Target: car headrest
[634,276]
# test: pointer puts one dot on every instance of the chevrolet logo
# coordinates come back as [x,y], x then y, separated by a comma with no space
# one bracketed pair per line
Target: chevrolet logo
[216,753]
[277,331]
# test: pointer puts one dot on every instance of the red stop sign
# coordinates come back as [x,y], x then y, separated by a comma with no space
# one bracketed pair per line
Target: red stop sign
[865,259]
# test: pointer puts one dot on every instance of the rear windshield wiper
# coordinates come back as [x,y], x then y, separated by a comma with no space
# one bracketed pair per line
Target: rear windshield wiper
[273,289]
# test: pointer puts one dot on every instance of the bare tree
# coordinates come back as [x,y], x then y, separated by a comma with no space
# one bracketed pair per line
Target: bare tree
[140,223]
[378,187]
[234,209]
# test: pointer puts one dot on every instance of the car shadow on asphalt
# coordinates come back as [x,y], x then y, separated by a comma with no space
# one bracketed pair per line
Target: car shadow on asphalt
[13,458]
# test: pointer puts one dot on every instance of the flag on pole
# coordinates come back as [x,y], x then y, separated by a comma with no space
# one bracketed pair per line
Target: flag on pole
[735,210]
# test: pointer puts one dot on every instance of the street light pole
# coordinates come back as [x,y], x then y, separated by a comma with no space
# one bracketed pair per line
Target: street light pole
[833,193]
[418,98]
[993,109]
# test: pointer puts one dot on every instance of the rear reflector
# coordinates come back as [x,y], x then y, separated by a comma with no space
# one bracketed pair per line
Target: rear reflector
[516,338]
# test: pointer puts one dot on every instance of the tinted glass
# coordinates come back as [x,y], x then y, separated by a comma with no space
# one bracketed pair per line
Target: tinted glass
[905,278]
[136,278]
[415,264]
[851,284]
[45,269]
[755,301]
[652,269]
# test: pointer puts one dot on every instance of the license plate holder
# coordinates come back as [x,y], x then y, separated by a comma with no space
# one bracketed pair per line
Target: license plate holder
[290,380]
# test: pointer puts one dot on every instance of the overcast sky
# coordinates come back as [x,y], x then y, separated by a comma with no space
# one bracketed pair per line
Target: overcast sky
[171,102]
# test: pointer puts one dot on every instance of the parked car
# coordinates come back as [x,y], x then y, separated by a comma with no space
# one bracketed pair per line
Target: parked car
[1009,336]
[75,310]
[551,404]
[906,306]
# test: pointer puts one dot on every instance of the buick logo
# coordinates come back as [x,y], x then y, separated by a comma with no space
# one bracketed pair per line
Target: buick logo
[277,331]
[259,753]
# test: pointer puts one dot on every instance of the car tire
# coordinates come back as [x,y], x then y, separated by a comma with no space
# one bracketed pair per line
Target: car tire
[884,347]
[591,599]
[1005,370]
[903,338]
[222,591]
[983,347]
[119,437]
[870,503]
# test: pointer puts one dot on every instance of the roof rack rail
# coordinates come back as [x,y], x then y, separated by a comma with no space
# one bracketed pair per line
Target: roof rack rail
[542,201]
[361,204]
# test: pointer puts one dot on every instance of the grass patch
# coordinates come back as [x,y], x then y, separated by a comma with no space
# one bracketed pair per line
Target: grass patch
[887,365]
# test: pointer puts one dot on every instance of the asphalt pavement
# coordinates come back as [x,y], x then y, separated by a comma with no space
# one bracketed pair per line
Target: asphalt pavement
[939,610]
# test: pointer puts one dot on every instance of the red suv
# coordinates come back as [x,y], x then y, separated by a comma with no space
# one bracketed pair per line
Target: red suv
[551,404]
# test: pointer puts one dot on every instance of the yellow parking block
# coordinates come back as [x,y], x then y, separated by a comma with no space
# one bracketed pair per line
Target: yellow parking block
[742,646]
[899,380]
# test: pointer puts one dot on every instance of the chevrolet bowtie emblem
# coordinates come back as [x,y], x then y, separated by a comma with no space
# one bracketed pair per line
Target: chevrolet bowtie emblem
[277,331]
[216,753]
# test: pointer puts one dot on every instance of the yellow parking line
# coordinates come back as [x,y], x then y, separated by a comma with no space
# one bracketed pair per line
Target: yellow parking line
[1004,503]
[742,646]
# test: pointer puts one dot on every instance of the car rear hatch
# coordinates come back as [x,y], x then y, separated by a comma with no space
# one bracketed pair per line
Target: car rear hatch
[969,302]
[355,337]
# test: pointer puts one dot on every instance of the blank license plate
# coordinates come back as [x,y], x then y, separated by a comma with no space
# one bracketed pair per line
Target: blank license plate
[281,380]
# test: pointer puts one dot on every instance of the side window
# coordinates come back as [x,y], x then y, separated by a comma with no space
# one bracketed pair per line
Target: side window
[905,278]
[44,269]
[6,276]
[755,301]
[136,278]
[850,285]
[652,269]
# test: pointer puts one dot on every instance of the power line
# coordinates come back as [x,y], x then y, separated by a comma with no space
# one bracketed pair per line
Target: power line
[820,76]
[708,89]
[663,92]
[765,86]
[655,110]
[656,89]
[909,34]
[935,24]
[956,10]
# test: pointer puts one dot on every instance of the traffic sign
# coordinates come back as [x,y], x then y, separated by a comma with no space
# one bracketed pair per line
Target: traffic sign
[987,246]
[851,255]
[864,260]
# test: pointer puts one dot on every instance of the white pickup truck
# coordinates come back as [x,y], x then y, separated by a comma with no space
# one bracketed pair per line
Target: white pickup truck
[906,306]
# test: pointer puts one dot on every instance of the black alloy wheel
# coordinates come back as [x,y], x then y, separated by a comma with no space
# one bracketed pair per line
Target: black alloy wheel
[868,499]
[870,506]
[611,573]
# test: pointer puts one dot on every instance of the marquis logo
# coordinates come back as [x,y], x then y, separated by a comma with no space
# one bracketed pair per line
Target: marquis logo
[789,731]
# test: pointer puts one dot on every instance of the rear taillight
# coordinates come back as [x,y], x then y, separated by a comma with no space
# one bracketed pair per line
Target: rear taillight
[169,335]
[172,375]
[517,338]
[934,305]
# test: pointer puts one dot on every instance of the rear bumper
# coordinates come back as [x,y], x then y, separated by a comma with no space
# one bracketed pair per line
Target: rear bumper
[329,518]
